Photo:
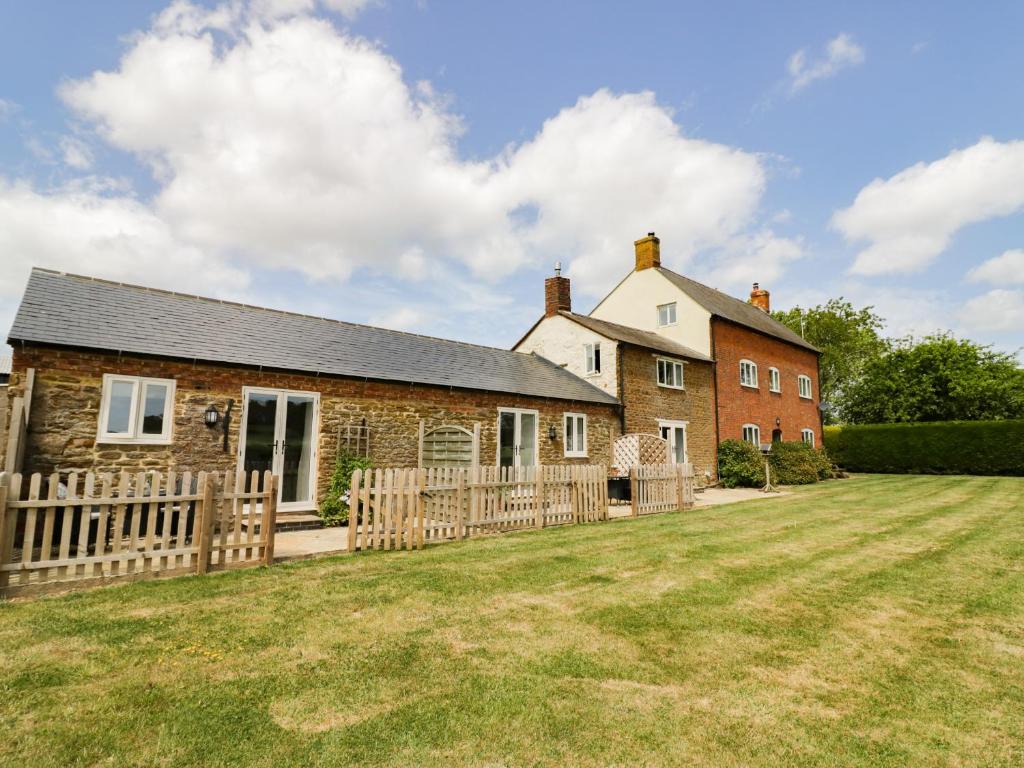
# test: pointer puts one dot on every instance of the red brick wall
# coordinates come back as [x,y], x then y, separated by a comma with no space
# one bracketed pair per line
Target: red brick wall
[68,387]
[739,405]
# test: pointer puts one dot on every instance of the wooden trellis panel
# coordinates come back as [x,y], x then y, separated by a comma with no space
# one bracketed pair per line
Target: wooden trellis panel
[638,449]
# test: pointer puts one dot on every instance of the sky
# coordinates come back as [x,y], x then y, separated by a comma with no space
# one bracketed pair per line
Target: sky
[422,165]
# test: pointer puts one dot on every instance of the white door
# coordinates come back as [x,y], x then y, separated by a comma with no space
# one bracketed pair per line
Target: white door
[675,433]
[279,433]
[517,437]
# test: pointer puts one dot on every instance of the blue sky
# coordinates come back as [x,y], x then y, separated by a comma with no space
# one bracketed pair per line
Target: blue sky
[421,165]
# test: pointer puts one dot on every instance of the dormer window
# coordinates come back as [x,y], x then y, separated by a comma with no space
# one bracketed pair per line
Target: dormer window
[666,314]
[593,355]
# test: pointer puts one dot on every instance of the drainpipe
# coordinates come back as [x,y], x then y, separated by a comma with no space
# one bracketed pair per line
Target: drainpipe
[620,376]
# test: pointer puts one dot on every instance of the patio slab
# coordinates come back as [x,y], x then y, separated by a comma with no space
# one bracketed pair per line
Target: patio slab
[298,545]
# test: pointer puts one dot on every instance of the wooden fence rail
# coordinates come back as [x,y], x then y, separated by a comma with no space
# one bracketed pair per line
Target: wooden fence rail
[89,528]
[405,508]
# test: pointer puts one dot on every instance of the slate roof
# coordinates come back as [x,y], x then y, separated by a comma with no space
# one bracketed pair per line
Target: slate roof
[636,337]
[77,311]
[733,309]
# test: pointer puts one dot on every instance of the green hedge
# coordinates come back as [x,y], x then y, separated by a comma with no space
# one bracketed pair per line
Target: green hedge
[741,464]
[933,448]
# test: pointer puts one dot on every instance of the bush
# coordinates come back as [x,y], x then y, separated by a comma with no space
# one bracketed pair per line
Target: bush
[334,508]
[740,464]
[799,464]
[933,448]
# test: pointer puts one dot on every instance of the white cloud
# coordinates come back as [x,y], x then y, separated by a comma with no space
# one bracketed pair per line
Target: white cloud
[759,257]
[1007,268]
[76,153]
[7,108]
[998,310]
[280,142]
[911,217]
[303,147]
[840,53]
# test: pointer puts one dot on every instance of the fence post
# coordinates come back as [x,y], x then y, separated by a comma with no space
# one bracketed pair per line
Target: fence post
[205,522]
[634,491]
[460,492]
[269,524]
[421,507]
[680,486]
[353,508]
[538,494]
[5,482]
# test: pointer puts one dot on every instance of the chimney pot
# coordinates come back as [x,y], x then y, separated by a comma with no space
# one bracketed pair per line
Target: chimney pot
[760,298]
[648,252]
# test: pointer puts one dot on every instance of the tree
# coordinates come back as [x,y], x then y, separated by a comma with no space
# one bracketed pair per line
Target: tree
[939,378]
[848,339]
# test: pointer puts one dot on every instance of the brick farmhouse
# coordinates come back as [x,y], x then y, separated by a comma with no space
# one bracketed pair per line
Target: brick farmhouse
[126,377]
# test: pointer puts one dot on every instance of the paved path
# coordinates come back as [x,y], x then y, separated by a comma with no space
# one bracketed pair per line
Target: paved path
[296,545]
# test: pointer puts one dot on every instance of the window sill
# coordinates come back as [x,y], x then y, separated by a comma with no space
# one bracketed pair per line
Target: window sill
[133,441]
[806,397]
[669,386]
[775,391]
[574,456]
[749,386]
[592,375]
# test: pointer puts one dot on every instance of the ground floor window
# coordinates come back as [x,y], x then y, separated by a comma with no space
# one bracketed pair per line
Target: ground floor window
[134,409]
[575,435]
[752,434]
[807,435]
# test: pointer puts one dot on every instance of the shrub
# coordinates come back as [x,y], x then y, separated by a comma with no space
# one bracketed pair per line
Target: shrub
[334,508]
[798,464]
[935,448]
[740,464]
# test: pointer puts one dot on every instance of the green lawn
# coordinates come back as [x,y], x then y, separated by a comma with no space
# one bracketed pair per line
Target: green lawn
[872,621]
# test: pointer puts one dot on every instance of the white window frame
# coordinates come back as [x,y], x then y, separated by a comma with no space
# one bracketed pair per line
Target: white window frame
[592,358]
[518,434]
[675,365]
[757,434]
[670,309]
[804,383]
[134,435]
[774,380]
[580,420]
[807,436]
[753,368]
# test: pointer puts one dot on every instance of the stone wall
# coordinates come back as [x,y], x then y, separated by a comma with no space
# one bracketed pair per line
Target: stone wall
[646,402]
[739,405]
[68,386]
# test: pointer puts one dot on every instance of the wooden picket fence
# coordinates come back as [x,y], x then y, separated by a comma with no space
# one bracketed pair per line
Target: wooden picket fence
[396,508]
[85,529]
[406,508]
[661,487]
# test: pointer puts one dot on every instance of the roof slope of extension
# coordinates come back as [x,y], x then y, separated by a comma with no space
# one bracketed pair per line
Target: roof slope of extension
[85,312]
[636,337]
[734,310]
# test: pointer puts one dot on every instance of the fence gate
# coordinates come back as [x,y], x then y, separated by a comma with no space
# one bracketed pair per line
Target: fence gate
[661,487]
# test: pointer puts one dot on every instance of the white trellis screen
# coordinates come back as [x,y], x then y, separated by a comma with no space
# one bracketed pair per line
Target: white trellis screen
[638,448]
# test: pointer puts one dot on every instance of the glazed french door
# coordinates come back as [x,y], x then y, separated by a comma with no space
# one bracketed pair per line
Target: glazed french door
[279,433]
[517,437]
[675,433]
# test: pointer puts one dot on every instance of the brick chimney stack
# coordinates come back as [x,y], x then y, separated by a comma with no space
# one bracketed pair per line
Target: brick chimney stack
[648,252]
[556,293]
[759,297]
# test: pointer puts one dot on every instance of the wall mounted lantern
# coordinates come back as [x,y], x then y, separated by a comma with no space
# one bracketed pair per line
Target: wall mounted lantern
[778,422]
[211,416]
[551,432]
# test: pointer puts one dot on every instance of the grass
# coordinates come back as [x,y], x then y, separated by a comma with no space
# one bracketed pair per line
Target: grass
[873,621]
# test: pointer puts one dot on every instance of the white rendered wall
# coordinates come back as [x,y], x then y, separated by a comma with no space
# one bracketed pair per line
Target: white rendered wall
[634,302]
[561,341]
